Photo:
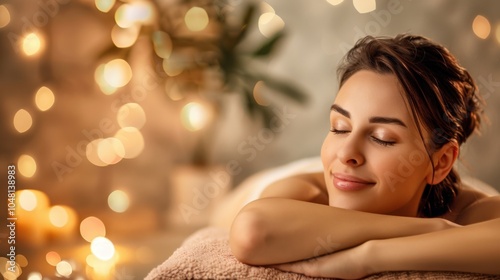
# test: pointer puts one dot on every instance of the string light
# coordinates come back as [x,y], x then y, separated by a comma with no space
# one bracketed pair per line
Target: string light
[91,152]
[334,2]
[117,73]
[104,5]
[269,24]
[124,37]
[52,258]
[132,140]
[140,12]
[105,87]
[64,269]
[35,276]
[162,44]
[131,115]
[102,248]
[58,216]
[194,116]
[110,150]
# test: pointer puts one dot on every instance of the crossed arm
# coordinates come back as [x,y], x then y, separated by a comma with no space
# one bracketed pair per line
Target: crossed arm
[320,240]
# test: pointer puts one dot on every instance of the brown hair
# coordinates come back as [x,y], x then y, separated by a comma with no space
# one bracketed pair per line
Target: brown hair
[441,94]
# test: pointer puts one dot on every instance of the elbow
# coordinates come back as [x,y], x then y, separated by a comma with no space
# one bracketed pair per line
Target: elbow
[247,236]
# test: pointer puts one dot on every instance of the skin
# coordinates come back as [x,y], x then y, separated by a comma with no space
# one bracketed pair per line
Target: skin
[375,170]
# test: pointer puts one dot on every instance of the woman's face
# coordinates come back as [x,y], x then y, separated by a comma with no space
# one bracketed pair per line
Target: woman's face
[373,158]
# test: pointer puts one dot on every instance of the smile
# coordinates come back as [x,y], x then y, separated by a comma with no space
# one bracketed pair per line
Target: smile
[345,182]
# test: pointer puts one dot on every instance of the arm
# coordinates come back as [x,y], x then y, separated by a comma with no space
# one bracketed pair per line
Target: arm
[278,230]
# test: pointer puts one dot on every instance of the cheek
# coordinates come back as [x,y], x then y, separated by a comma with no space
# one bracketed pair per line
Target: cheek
[327,151]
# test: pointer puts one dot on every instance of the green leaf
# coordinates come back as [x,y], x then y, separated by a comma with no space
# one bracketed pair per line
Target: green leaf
[245,23]
[284,88]
[269,45]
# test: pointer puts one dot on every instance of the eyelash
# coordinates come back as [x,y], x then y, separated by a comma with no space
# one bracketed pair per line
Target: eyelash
[376,140]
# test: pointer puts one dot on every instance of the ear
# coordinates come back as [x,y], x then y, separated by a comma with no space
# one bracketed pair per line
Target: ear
[444,158]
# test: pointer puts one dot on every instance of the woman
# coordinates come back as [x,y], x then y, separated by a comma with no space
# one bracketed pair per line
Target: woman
[388,198]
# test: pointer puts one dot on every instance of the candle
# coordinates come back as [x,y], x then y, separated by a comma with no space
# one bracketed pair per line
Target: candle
[63,221]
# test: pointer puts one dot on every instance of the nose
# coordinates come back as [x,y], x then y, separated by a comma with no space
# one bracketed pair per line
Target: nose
[350,152]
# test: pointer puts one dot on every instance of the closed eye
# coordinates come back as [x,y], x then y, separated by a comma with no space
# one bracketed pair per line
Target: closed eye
[382,142]
[338,131]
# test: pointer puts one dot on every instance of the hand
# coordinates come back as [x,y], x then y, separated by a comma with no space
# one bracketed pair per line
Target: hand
[346,264]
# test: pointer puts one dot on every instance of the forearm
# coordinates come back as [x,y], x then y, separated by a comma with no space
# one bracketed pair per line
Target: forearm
[276,230]
[472,248]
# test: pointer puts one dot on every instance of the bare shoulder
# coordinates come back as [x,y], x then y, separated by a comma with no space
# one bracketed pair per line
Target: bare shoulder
[306,186]
[473,206]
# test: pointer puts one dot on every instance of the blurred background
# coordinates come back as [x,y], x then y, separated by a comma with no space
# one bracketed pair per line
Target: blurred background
[128,120]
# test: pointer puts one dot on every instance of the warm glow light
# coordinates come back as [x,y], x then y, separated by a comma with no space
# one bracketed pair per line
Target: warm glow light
[481,27]
[196,19]
[22,121]
[173,65]
[31,44]
[21,260]
[194,116]
[334,2]
[26,166]
[101,82]
[110,150]
[117,73]
[132,141]
[92,227]
[497,33]
[52,258]
[102,248]
[364,6]
[91,152]
[270,23]
[118,201]
[44,98]
[64,268]
[27,200]
[258,94]
[124,37]
[104,5]
[162,44]
[58,216]
[139,12]
[35,276]
[4,16]
[131,114]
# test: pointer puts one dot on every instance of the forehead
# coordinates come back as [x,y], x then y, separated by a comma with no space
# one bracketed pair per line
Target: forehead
[373,94]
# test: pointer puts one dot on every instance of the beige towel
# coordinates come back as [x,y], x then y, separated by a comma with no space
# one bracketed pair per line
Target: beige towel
[206,255]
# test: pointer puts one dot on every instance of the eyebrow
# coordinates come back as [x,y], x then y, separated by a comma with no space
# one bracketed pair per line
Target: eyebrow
[377,119]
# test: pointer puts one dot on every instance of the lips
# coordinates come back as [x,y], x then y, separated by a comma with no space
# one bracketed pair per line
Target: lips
[345,182]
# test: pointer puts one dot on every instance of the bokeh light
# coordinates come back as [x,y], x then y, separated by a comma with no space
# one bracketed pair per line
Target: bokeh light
[92,155]
[22,121]
[118,201]
[44,98]
[64,269]
[481,27]
[162,44]
[52,258]
[58,216]
[26,165]
[139,12]
[131,114]
[106,88]
[364,6]
[124,37]
[194,116]
[497,33]
[21,260]
[334,2]
[31,44]
[104,5]
[30,200]
[102,248]
[35,276]
[4,16]
[117,73]
[132,140]
[92,227]
[269,24]
[110,150]
[173,65]
[196,19]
